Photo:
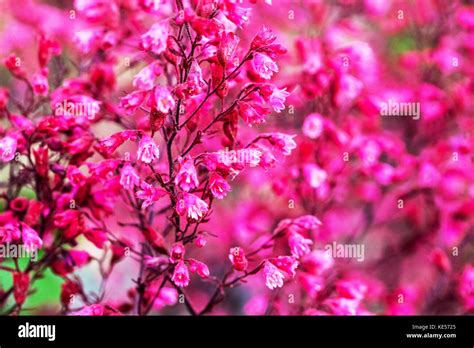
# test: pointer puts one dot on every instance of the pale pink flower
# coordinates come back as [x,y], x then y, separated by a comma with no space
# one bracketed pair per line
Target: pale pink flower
[314,175]
[155,39]
[129,177]
[149,194]
[186,178]
[192,206]
[264,66]
[7,148]
[299,245]
[86,40]
[181,275]
[218,186]
[277,99]
[273,276]
[146,77]
[313,126]
[147,150]
[161,99]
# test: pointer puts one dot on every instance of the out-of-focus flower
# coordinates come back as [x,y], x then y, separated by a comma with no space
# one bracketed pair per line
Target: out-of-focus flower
[238,259]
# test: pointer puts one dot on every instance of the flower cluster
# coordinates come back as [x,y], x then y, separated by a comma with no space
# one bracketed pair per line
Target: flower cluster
[175,150]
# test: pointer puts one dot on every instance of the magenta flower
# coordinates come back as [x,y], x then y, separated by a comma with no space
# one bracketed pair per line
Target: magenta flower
[218,186]
[186,178]
[238,259]
[149,194]
[177,252]
[181,275]
[147,150]
[31,240]
[466,287]
[282,142]
[263,38]
[40,84]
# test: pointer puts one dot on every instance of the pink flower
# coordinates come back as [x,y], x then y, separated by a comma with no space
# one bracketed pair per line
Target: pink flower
[227,46]
[318,262]
[149,194]
[466,287]
[299,245]
[351,288]
[147,150]
[181,275]
[314,175]
[238,259]
[273,276]
[281,141]
[200,241]
[86,40]
[31,240]
[146,77]
[264,66]
[277,99]
[186,178]
[161,99]
[40,84]
[154,40]
[192,206]
[131,102]
[7,148]
[252,113]
[218,186]
[198,267]
[107,146]
[263,38]
[177,252]
[129,177]
[313,126]
[286,264]
[348,89]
